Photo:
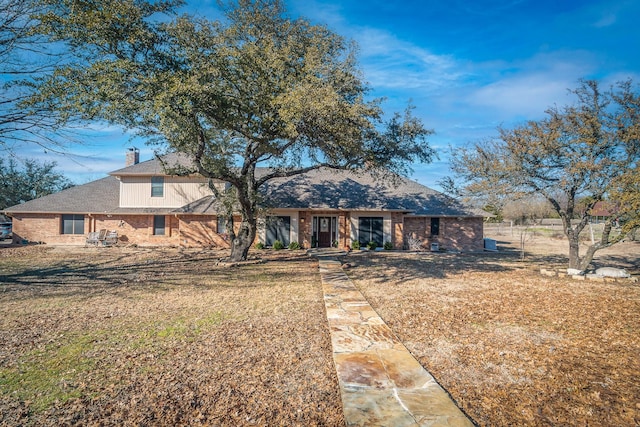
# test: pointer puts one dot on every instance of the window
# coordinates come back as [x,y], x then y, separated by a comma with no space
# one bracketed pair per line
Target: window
[435,226]
[370,229]
[278,228]
[222,225]
[72,224]
[158,225]
[157,186]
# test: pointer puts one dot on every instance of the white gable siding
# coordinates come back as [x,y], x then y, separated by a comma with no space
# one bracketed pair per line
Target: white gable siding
[135,192]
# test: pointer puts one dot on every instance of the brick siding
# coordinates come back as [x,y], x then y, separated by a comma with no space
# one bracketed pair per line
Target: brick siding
[463,234]
[201,230]
[397,230]
[44,228]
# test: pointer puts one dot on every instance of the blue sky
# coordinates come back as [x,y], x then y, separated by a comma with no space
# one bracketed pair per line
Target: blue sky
[467,66]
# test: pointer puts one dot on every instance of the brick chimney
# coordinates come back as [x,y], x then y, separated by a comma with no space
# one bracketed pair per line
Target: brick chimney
[133,156]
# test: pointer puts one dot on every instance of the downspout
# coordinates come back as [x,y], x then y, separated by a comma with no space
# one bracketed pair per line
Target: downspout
[92,222]
[178,218]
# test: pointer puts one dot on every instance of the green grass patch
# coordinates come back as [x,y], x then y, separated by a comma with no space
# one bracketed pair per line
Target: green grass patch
[54,372]
[47,375]
[180,328]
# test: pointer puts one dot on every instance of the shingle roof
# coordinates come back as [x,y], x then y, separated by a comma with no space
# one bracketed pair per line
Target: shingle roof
[206,205]
[318,189]
[154,166]
[332,189]
[96,196]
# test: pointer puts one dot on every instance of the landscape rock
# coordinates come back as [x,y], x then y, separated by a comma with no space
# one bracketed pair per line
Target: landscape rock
[612,272]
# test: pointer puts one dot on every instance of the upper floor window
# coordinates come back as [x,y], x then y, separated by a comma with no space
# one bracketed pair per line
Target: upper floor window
[72,224]
[157,186]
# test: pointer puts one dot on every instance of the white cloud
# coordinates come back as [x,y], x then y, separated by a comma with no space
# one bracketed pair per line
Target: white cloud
[532,85]
[390,62]
[606,20]
[322,13]
[469,94]
[387,61]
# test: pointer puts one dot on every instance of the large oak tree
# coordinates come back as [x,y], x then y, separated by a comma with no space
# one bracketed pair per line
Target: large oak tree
[255,88]
[587,151]
[21,58]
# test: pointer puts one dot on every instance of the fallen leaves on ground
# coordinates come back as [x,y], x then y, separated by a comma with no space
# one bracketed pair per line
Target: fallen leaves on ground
[114,336]
[511,346]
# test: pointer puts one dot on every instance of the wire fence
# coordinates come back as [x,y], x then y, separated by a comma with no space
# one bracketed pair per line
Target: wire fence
[548,228]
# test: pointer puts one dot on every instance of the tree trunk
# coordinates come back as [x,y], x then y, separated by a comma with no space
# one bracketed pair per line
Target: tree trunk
[603,243]
[243,239]
[573,236]
[574,251]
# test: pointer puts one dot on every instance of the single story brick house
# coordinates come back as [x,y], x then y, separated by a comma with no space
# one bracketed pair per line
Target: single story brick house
[321,208]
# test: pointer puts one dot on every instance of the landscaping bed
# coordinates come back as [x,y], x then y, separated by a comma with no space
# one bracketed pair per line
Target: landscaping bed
[118,336]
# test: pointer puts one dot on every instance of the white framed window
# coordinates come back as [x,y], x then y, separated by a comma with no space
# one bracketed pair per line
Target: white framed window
[157,186]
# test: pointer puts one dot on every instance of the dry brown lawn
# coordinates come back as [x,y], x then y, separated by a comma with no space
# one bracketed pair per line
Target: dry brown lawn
[118,336]
[113,336]
[513,347]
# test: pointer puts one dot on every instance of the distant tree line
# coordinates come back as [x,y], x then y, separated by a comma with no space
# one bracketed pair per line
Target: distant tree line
[28,180]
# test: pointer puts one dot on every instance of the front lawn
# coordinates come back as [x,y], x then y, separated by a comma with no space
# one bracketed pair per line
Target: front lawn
[121,336]
[511,346]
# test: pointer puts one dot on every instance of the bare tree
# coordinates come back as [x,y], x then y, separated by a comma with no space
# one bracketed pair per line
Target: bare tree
[530,209]
[579,151]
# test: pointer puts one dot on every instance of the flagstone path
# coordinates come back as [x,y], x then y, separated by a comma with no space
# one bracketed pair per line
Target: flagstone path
[381,383]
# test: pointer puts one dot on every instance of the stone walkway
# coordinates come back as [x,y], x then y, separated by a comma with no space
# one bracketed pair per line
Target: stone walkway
[381,383]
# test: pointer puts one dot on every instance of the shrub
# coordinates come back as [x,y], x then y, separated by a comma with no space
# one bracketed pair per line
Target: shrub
[277,245]
[388,246]
[355,245]
[259,245]
[372,245]
[294,246]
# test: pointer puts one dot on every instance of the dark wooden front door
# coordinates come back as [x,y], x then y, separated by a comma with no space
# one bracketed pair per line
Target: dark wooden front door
[324,232]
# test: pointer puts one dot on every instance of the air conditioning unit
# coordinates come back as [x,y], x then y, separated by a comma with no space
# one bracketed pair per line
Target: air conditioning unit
[435,247]
[490,245]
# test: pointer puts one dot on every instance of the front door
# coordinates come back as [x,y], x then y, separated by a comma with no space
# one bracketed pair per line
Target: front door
[325,232]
